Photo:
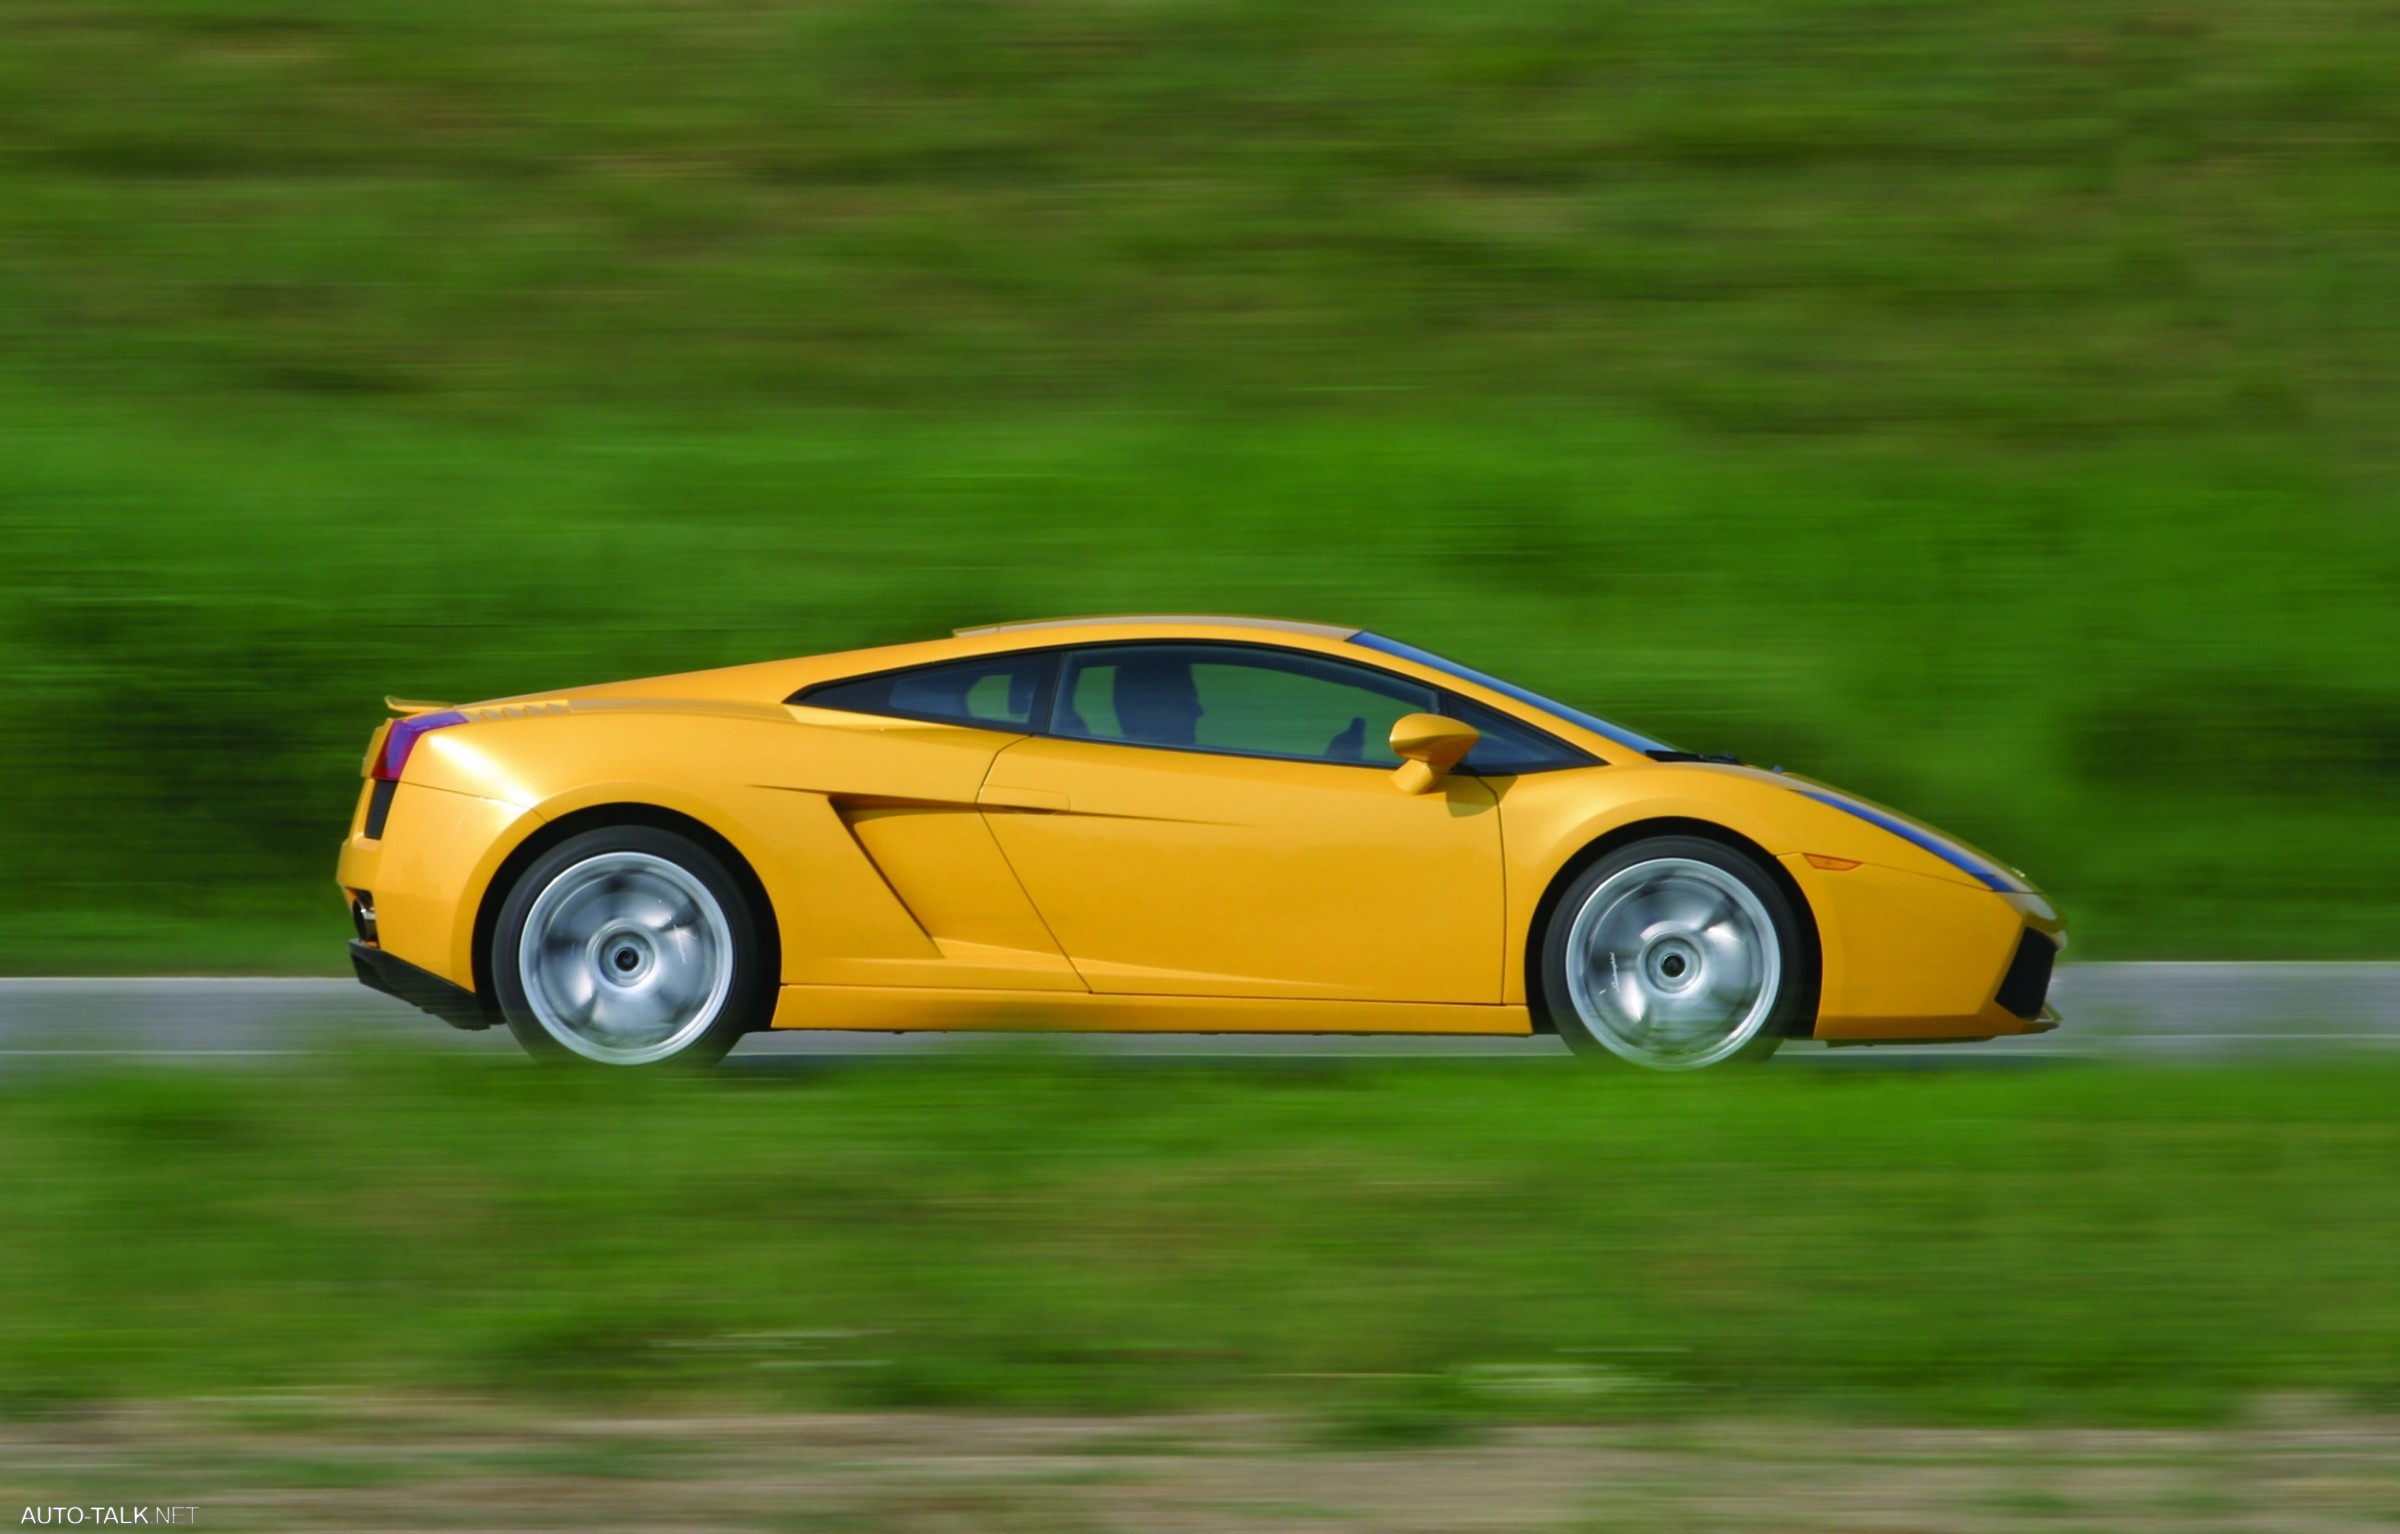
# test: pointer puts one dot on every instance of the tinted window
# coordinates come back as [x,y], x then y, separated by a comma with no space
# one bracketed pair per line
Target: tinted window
[997,692]
[1592,722]
[1242,702]
[1510,746]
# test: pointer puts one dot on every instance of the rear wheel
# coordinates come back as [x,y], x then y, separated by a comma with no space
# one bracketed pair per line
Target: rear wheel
[630,945]
[1676,953]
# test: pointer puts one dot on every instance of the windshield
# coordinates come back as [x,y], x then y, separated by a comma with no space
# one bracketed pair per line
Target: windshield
[1630,740]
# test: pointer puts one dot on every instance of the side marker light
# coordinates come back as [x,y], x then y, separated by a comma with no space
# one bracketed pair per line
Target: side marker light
[1820,860]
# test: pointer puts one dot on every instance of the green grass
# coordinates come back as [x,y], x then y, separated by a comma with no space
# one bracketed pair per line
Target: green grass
[1987,408]
[1407,1250]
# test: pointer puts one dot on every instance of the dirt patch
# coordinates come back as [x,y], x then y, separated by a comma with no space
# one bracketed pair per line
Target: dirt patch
[313,1463]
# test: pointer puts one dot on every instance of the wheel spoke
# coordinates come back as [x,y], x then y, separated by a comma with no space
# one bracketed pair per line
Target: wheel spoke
[1633,1002]
[1687,906]
[1732,968]
[579,992]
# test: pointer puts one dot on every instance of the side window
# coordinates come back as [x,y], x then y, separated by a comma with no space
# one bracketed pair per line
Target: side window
[1510,746]
[995,692]
[1243,702]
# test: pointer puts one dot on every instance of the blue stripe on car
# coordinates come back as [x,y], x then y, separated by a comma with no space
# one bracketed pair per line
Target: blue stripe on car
[1949,852]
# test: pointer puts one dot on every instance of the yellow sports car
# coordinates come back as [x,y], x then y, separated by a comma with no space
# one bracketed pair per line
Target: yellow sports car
[1216,825]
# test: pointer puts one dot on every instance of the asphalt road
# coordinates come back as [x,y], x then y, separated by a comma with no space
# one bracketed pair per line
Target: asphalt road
[2202,1012]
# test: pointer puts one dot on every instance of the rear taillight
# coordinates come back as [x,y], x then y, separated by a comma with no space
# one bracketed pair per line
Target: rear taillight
[403,736]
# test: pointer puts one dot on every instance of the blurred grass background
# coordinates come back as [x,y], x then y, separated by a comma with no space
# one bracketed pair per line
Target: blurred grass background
[1031,1234]
[1991,409]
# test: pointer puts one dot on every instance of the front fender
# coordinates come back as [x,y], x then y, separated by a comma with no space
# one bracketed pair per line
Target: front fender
[1549,819]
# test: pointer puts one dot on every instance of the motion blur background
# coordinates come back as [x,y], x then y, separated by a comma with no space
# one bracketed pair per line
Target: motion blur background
[1988,408]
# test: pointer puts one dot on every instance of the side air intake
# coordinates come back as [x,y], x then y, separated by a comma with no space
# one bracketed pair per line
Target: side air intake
[2027,984]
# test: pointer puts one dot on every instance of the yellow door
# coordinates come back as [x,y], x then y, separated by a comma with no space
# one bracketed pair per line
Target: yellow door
[1182,870]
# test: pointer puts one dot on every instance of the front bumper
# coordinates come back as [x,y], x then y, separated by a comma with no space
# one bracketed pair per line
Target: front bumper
[2025,987]
[1914,958]
[453,1004]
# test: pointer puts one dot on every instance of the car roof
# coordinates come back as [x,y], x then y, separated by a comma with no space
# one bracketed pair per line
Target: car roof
[772,683]
[1162,620]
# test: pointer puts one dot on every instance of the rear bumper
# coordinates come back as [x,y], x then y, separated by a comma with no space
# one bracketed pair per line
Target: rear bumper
[453,1004]
[427,873]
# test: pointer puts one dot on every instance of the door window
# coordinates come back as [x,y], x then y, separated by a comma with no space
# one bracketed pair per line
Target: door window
[1237,701]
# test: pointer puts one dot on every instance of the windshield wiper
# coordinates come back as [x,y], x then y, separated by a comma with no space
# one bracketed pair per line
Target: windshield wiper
[1665,754]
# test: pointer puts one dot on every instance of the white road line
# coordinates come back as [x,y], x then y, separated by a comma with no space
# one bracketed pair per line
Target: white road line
[122,1053]
[2287,1038]
[2220,1012]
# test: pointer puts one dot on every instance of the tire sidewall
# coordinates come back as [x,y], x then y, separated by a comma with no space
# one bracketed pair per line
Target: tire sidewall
[749,996]
[1792,1013]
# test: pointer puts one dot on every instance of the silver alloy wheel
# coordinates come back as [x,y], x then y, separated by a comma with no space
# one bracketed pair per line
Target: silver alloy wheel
[626,958]
[1673,964]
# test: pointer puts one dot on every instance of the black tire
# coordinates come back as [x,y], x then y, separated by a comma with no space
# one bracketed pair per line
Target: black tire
[621,863]
[1789,1009]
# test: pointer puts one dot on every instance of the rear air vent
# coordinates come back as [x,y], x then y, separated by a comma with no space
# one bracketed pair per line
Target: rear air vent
[2027,983]
[379,806]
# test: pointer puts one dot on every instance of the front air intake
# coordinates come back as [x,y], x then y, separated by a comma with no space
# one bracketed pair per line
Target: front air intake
[2027,984]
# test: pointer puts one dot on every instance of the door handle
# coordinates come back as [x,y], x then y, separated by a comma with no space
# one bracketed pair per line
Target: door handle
[995,797]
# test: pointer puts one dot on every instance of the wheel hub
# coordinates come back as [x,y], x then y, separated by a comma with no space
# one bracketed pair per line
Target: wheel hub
[623,956]
[1672,963]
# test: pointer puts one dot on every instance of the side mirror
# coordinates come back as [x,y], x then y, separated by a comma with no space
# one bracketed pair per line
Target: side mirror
[1432,745]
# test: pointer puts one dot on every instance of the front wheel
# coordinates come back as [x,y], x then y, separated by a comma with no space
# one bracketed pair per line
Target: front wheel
[630,945]
[1676,953]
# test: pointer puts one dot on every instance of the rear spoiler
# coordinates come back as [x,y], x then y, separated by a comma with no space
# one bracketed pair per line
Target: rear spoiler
[413,705]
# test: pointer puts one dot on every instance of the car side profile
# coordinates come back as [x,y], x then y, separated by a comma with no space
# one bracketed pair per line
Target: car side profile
[1151,823]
